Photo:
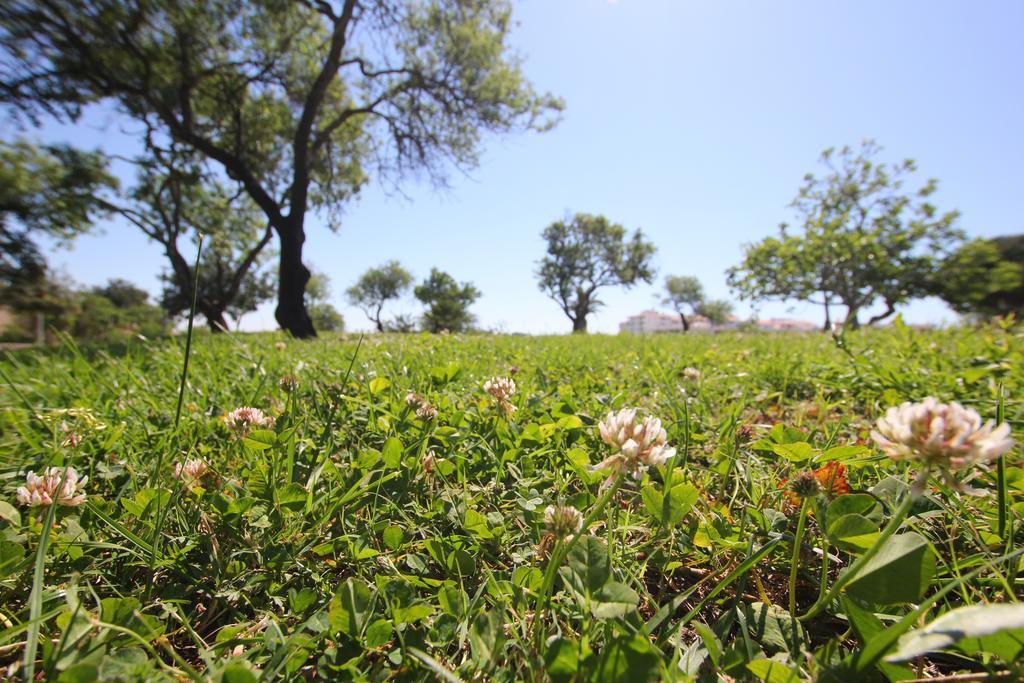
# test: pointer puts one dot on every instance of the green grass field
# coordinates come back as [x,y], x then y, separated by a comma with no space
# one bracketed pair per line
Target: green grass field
[348,538]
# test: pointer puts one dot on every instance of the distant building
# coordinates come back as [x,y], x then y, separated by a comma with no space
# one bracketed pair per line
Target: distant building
[655,322]
[786,325]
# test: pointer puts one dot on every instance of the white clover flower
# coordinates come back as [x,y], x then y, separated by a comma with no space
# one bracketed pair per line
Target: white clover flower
[691,374]
[638,445]
[502,389]
[563,521]
[426,411]
[191,470]
[945,437]
[242,420]
[280,346]
[47,489]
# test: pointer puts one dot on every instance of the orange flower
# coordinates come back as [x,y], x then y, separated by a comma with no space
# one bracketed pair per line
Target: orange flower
[831,478]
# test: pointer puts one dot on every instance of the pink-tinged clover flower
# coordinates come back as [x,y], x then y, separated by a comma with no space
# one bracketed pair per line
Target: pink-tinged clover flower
[192,470]
[241,421]
[691,374]
[502,389]
[941,437]
[637,444]
[55,486]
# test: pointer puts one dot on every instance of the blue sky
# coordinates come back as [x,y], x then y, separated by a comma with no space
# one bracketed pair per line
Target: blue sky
[694,121]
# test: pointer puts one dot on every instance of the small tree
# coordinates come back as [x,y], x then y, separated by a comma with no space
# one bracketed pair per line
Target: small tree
[985,277]
[325,316]
[717,311]
[585,254]
[447,302]
[376,287]
[866,239]
[683,292]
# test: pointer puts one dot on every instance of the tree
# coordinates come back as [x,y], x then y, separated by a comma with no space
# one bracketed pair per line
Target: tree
[176,198]
[866,239]
[376,287]
[325,316]
[585,254]
[984,277]
[447,302]
[54,191]
[683,292]
[717,311]
[116,311]
[294,101]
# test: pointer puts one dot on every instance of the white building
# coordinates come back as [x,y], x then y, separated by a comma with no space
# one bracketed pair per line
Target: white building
[651,322]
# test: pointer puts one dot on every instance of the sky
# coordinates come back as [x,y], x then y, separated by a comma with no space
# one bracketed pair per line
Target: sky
[694,121]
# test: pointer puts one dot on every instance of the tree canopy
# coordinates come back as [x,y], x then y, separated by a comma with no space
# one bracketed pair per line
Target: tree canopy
[294,102]
[447,302]
[376,287]
[985,277]
[585,254]
[50,190]
[866,239]
[683,292]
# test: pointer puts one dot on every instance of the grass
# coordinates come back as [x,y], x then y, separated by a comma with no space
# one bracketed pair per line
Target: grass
[354,540]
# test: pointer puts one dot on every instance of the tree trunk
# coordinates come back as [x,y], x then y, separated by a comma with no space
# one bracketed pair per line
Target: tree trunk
[828,318]
[686,323]
[291,311]
[215,320]
[579,325]
[851,322]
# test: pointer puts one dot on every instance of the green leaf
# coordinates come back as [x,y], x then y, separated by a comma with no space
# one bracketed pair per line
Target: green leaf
[613,600]
[11,555]
[900,572]
[854,504]
[260,439]
[672,507]
[393,536]
[392,453]
[589,563]
[855,532]
[486,638]
[10,513]
[800,451]
[378,633]
[476,524]
[237,672]
[995,628]
[842,453]
[628,658]
[292,496]
[771,671]
[349,609]
[773,627]
[562,659]
[378,385]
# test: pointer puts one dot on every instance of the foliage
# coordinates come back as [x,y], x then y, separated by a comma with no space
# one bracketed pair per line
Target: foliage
[325,316]
[178,198]
[985,277]
[683,292]
[866,239]
[447,302]
[376,287]
[51,190]
[350,88]
[329,546]
[717,311]
[585,254]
